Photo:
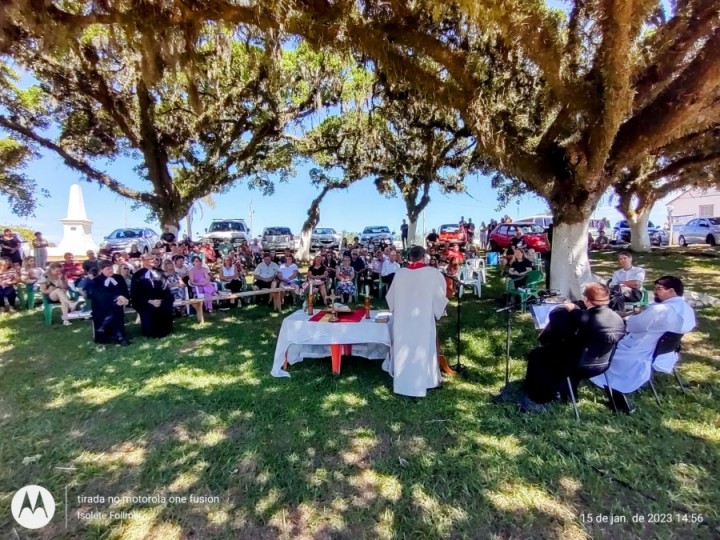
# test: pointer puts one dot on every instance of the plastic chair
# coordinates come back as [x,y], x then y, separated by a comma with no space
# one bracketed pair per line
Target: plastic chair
[644,300]
[26,295]
[668,342]
[50,305]
[534,281]
[478,265]
[466,279]
[597,363]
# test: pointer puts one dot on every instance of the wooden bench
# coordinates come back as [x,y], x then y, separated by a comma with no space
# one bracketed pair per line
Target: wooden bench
[197,303]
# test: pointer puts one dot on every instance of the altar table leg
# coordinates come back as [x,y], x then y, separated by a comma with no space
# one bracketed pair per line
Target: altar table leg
[336,353]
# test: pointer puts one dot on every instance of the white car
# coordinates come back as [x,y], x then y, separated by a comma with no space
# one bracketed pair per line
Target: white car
[376,234]
[704,230]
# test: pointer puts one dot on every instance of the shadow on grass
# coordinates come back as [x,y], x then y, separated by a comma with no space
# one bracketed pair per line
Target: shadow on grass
[337,457]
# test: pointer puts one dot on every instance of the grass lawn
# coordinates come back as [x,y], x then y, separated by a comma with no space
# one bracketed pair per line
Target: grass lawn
[318,456]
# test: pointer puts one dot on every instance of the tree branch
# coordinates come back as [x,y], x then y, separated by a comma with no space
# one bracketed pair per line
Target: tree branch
[79,165]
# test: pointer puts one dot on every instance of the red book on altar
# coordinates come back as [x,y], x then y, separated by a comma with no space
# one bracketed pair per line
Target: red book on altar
[356,315]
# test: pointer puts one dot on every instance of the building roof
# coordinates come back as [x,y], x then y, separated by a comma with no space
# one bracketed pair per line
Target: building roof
[696,193]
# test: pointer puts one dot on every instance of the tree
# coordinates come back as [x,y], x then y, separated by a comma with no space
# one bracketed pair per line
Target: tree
[18,188]
[562,102]
[400,142]
[197,207]
[691,162]
[193,123]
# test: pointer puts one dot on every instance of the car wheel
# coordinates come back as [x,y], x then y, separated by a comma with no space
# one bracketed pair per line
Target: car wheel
[494,246]
[682,241]
[711,240]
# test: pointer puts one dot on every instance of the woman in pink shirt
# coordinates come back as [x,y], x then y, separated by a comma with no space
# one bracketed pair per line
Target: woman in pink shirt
[200,279]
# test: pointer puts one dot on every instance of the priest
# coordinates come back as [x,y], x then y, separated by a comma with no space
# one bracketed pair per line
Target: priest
[109,295]
[416,299]
[152,299]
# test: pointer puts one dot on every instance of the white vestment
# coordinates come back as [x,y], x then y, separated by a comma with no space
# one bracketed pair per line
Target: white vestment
[631,365]
[416,299]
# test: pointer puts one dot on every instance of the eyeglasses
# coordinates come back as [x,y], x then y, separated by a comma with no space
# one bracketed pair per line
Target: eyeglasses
[659,288]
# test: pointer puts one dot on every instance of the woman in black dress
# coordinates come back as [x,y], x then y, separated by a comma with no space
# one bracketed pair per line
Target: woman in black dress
[109,295]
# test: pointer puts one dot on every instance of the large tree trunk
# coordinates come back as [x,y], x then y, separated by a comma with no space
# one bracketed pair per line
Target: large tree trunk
[570,266]
[412,231]
[303,252]
[639,236]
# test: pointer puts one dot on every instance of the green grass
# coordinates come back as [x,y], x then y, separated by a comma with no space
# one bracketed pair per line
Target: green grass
[318,456]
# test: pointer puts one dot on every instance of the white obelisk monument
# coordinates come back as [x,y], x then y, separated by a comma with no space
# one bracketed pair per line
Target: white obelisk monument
[77,228]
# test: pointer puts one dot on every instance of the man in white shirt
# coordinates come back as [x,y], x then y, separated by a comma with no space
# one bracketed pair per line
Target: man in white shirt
[626,283]
[389,267]
[416,299]
[631,365]
[266,276]
[288,275]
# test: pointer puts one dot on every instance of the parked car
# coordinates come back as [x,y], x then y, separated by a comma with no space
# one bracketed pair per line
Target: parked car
[704,230]
[234,231]
[277,238]
[376,234]
[452,233]
[324,237]
[123,239]
[542,221]
[621,233]
[533,235]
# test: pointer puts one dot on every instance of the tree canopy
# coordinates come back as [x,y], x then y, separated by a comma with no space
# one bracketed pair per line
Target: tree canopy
[102,94]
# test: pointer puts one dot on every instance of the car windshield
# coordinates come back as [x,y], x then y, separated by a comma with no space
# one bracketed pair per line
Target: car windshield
[122,234]
[531,229]
[222,226]
[449,228]
[650,224]
[376,230]
[277,231]
[714,220]
[323,231]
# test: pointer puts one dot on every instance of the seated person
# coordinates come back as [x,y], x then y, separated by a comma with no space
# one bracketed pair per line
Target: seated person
[571,328]
[181,268]
[389,267]
[452,252]
[519,268]
[632,363]
[451,273]
[531,255]
[134,254]
[30,273]
[126,273]
[229,276]
[208,251]
[289,274]
[317,277]
[9,277]
[202,281]
[174,281]
[432,239]
[590,242]
[505,258]
[518,241]
[71,270]
[361,270]
[266,277]
[54,285]
[117,259]
[602,241]
[109,295]
[626,283]
[91,261]
[345,279]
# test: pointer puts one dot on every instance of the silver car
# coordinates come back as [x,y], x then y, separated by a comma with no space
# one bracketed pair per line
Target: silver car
[704,230]
[323,237]
[124,239]
[277,238]
[375,234]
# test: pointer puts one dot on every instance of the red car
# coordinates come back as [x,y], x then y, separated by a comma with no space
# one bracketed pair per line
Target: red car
[452,234]
[533,235]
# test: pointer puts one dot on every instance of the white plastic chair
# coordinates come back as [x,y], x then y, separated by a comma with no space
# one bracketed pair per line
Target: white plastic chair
[467,279]
[478,265]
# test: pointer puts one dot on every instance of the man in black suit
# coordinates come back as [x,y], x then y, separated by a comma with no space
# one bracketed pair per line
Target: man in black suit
[588,326]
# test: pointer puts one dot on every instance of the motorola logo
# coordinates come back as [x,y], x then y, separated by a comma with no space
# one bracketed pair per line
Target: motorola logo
[33,507]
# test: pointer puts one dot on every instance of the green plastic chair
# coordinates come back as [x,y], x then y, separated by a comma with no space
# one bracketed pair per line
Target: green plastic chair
[26,295]
[644,300]
[49,306]
[534,282]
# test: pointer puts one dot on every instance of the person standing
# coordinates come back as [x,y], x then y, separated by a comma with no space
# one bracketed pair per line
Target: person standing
[404,234]
[10,248]
[483,230]
[416,299]
[152,299]
[109,295]
[470,231]
[40,246]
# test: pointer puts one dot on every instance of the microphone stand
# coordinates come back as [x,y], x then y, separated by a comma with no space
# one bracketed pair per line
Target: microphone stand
[459,368]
